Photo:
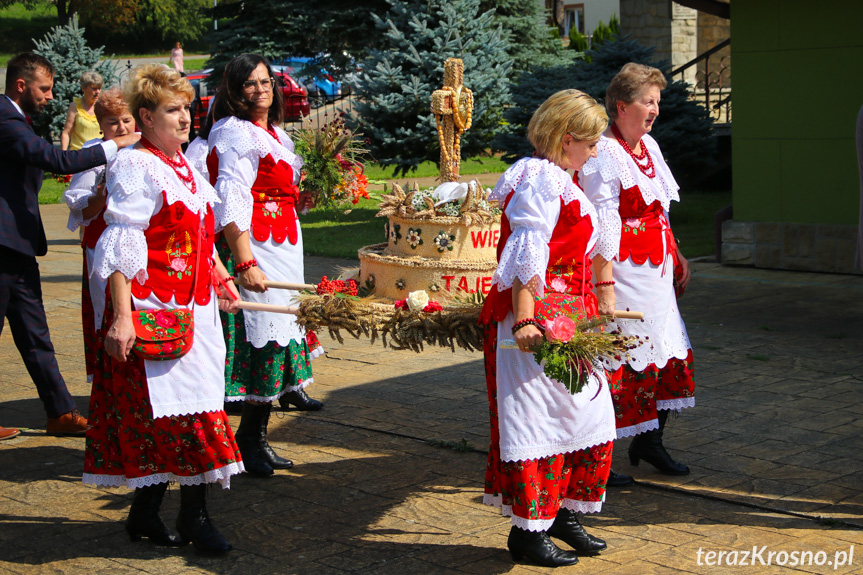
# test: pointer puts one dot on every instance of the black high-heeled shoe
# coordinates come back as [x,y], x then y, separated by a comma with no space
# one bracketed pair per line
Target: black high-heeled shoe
[300,400]
[568,528]
[193,523]
[144,520]
[648,446]
[538,548]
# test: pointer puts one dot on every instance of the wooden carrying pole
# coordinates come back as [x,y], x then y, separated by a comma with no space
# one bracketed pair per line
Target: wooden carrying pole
[253,306]
[289,285]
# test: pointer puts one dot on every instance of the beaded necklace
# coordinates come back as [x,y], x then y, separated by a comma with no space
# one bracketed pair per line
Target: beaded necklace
[271,130]
[647,168]
[188,178]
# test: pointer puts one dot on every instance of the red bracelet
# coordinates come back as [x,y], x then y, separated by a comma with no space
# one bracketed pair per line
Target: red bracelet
[525,322]
[608,283]
[228,279]
[240,268]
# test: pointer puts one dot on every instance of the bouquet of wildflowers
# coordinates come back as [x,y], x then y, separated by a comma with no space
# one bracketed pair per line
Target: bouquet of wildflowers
[573,348]
[333,167]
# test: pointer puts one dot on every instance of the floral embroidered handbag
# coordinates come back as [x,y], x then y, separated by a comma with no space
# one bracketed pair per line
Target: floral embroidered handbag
[163,334]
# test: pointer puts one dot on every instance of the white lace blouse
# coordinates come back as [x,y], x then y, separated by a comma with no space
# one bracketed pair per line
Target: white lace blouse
[537,186]
[613,169]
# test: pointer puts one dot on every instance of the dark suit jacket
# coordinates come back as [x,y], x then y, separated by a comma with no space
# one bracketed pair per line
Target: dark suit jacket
[23,156]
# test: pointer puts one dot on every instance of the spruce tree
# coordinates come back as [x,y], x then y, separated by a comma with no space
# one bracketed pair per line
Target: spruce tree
[531,44]
[66,48]
[397,80]
[336,32]
[683,128]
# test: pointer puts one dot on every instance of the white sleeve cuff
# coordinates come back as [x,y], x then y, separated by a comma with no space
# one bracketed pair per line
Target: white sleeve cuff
[609,231]
[525,256]
[110,148]
[121,248]
[235,205]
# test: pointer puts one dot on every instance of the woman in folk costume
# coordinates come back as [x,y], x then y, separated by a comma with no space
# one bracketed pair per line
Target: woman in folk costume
[639,266]
[546,465]
[154,422]
[255,172]
[86,200]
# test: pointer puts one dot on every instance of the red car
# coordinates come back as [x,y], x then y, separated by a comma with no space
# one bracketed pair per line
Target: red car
[295,95]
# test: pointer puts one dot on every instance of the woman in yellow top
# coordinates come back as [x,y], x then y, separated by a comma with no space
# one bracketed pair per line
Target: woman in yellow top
[81,124]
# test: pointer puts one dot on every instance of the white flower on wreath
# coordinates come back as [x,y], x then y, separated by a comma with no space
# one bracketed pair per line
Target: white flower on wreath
[444,241]
[414,237]
[417,300]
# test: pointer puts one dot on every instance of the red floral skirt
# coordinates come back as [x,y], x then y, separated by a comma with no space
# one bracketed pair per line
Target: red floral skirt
[532,491]
[638,394]
[127,446]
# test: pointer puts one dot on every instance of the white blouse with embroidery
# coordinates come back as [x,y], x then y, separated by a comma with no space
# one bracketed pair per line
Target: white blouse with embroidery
[240,146]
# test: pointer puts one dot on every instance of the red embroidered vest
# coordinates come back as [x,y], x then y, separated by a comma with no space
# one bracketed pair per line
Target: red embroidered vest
[171,256]
[643,228]
[274,195]
[567,261]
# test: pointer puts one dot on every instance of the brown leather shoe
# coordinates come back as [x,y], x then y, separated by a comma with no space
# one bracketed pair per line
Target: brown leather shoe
[7,433]
[72,423]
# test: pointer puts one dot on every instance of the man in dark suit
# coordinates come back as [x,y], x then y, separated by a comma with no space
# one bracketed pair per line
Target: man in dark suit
[23,156]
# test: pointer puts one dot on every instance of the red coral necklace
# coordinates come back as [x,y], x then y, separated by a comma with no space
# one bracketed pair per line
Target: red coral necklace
[646,166]
[188,178]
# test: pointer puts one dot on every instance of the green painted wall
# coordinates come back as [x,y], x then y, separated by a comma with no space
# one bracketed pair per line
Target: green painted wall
[798,86]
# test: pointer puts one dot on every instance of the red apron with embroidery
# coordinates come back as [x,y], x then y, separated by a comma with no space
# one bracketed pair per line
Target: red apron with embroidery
[643,229]
[171,257]
[274,196]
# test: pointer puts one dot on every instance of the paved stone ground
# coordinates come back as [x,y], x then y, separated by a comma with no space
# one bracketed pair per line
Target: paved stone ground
[774,445]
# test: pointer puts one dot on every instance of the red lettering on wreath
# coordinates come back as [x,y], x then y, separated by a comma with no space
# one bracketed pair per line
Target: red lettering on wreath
[494,238]
[479,238]
[462,284]
[448,280]
[486,284]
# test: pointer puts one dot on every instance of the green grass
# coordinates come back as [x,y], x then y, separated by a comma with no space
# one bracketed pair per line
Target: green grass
[470,166]
[332,233]
[18,26]
[52,191]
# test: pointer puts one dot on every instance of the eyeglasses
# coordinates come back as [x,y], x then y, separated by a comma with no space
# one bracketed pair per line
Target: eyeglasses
[265,84]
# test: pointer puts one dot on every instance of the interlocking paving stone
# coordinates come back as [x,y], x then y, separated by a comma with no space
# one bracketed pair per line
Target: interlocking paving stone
[774,444]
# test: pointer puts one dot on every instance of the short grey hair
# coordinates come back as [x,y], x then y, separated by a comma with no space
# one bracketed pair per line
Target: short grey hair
[91,78]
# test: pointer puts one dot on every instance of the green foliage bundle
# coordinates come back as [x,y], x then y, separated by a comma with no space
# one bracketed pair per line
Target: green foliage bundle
[66,48]
[683,128]
[531,43]
[601,35]
[397,80]
[577,40]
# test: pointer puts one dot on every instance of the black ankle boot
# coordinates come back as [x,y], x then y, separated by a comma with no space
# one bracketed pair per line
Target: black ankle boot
[234,407]
[569,529]
[300,400]
[272,458]
[648,446]
[249,441]
[144,520]
[618,479]
[193,523]
[537,547]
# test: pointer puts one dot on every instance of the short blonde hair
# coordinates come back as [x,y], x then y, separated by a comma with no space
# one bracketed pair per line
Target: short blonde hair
[627,84]
[151,84]
[566,112]
[91,78]
[110,103]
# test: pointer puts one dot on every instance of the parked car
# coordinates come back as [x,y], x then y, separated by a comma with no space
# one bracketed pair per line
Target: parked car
[295,95]
[320,84]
